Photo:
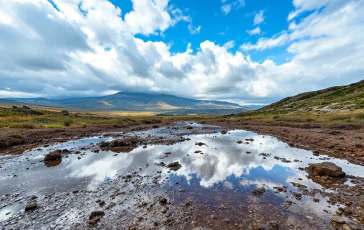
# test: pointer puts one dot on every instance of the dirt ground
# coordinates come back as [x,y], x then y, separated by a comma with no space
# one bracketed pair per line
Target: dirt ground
[17,140]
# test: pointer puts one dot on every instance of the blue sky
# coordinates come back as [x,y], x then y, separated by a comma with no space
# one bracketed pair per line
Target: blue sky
[220,28]
[244,51]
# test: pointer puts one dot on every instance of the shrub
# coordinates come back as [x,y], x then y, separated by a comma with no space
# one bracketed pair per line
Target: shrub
[68,122]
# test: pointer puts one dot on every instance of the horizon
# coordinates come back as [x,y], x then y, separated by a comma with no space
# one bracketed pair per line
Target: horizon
[149,93]
[239,51]
[244,104]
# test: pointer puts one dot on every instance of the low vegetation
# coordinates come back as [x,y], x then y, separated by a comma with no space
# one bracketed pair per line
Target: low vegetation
[334,99]
[340,107]
[339,120]
[28,118]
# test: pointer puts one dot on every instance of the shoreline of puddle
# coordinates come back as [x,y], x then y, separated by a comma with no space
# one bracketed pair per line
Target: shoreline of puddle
[225,167]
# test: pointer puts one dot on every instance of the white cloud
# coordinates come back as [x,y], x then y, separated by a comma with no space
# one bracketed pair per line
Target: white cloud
[156,13]
[228,5]
[226,9]
[305,5]
[229,45]
[267,43]
[259,18]
[94,51]
[254,31]
[194,30]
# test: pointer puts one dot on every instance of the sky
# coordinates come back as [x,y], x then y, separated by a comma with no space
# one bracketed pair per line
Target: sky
[243,51]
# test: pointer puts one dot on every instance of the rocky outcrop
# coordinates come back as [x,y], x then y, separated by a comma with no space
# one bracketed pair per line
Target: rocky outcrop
[95,217]
[258,191]
[326,169]
[31,206]
[174,166]
[126,142]
[53,156]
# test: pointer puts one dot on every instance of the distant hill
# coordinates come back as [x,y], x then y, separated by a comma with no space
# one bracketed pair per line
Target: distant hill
[338,98]
[137,102]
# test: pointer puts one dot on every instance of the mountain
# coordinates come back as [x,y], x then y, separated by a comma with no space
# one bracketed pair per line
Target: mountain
[139,102]
[338,98]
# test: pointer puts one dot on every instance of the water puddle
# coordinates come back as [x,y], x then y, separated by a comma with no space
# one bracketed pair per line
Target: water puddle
[217,171]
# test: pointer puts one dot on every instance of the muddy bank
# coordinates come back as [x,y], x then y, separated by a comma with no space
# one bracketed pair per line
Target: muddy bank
[348,144]
[13,140]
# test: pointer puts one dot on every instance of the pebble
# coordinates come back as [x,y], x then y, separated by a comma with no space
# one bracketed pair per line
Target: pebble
[337,220]
[346,227]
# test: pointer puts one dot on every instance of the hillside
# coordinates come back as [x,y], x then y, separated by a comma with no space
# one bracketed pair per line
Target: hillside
[334,99]
[138,102]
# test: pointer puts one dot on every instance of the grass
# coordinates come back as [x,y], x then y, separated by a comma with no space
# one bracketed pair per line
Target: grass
[42,118]
[342,120]
[349,98]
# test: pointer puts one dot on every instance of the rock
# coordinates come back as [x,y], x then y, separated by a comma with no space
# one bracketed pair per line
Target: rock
[188,203]
[316,153]
[189,127]
[200,143]
[338,220]
[111,205]
[223,132]
[164,210]
[95,217]
[31,206]
[126,142]
[174,166]
[64,112]
[326,169]
[33,197]
[101,203]
[163,200]
[258,191]
[346,227]
[240,142]
[273,225]
[297,195]
[53,156]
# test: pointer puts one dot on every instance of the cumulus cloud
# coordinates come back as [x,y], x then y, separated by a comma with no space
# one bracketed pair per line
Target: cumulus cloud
[85,48]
